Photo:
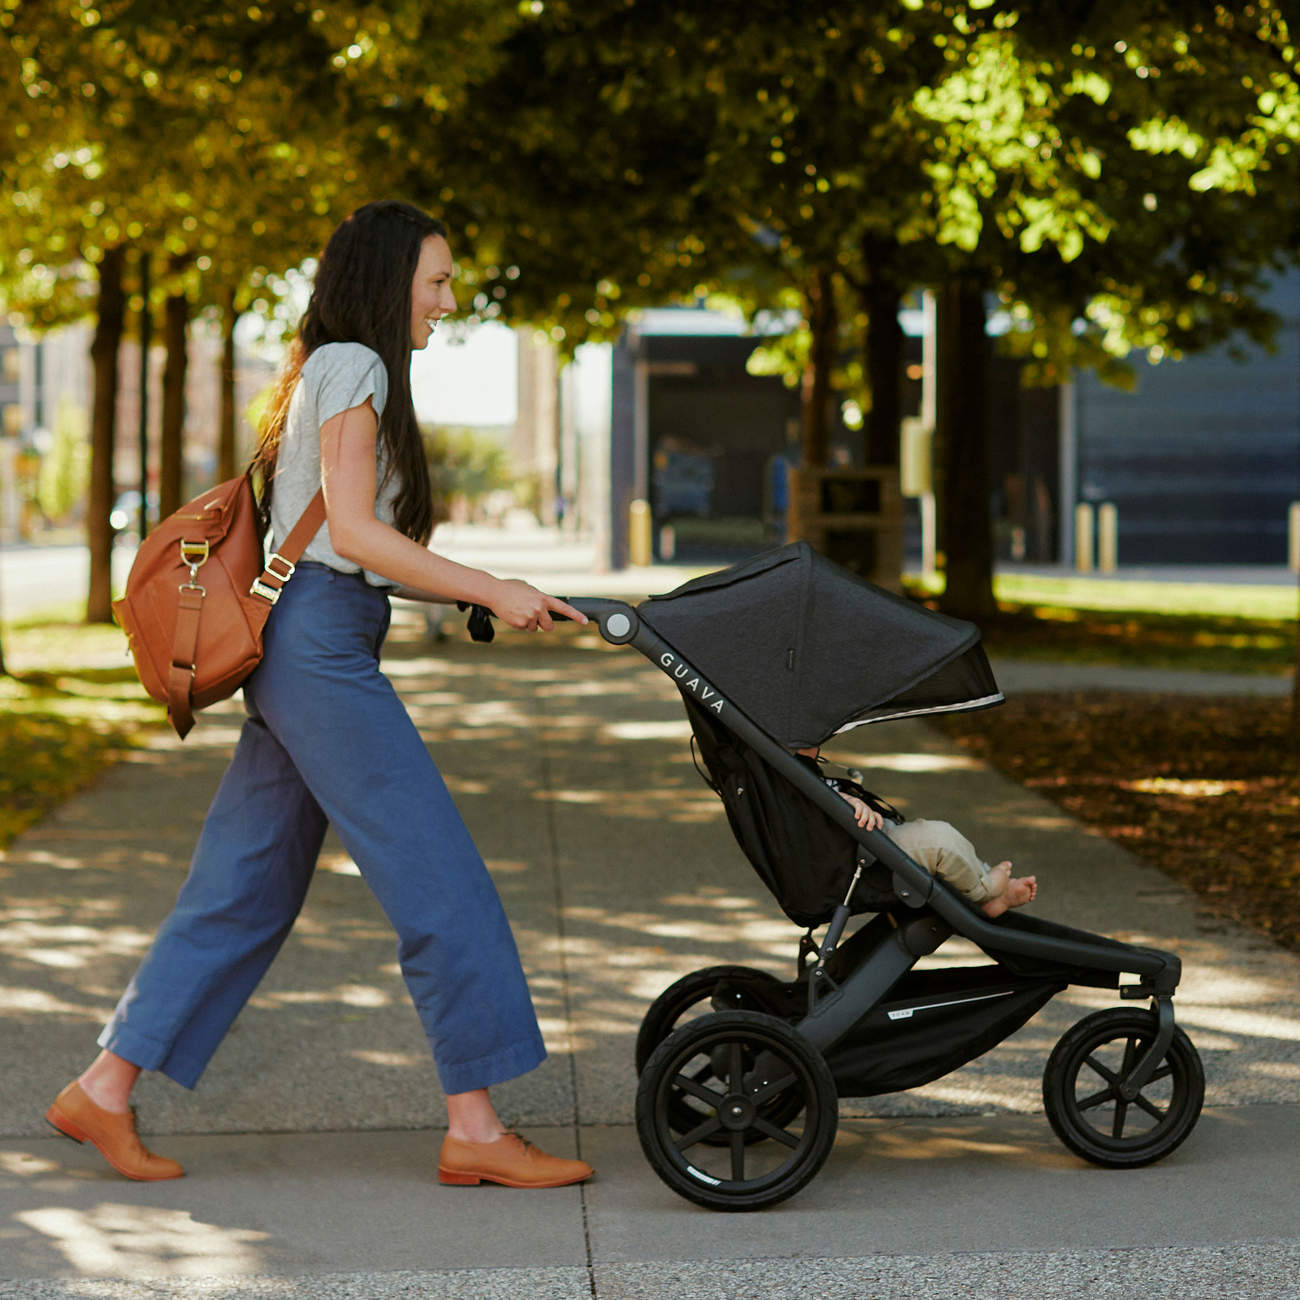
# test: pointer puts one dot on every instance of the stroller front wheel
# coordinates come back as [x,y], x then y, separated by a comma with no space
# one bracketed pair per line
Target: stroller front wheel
[1082,1099]
[750,1062]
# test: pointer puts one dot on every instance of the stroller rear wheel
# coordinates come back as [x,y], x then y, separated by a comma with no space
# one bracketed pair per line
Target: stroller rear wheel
[678,1004]
[1082,1099]
[753,1062]
[691,993]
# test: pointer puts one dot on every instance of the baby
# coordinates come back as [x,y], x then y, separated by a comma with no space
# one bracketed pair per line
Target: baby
[937,846]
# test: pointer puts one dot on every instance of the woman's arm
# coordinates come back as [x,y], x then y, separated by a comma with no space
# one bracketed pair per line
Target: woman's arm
[349,477]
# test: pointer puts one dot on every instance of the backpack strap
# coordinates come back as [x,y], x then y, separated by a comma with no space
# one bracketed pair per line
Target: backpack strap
[270,584]
[185,644]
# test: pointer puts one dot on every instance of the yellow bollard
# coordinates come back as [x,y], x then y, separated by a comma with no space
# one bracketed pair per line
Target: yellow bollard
[639,532]
[1107,537]
[1083,532]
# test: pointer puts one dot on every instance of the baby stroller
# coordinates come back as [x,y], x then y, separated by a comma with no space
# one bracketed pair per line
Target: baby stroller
[737,1107]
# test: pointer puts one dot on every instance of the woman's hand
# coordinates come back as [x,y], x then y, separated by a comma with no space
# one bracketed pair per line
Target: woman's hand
[868,818]
[522,606]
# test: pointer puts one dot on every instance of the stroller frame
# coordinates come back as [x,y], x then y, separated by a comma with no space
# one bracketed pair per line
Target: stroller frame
[841,992]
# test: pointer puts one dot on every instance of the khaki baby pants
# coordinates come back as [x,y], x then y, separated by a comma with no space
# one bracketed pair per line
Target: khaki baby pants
[944,851]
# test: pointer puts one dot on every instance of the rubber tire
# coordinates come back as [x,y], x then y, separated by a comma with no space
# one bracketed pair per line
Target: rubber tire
[676,999]
[1062,1070]
[708,1033]
[661,1019]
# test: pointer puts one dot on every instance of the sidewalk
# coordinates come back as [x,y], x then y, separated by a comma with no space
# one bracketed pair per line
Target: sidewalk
[311,1143]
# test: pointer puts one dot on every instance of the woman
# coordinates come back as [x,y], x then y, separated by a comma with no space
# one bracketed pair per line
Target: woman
[328,741]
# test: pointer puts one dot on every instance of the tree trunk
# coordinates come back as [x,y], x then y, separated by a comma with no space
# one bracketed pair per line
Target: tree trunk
[176,319]
[965,432]
[823,324]
[884,371]
[103,355]
[226,438]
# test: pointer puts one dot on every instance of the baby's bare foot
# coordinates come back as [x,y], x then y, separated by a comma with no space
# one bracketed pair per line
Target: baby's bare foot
[1015,893]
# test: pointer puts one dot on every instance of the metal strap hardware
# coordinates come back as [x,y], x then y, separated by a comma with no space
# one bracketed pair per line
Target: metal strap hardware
[284,577]
[260,588]
[194,555]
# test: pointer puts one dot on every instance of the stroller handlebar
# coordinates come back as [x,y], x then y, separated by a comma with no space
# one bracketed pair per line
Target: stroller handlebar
[616,620]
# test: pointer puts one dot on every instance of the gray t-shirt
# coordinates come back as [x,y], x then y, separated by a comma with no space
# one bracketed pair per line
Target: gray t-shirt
[334,378]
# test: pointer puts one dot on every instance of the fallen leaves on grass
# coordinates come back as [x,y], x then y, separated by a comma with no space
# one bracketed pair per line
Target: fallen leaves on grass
[43,759]
[1205,789]
[57,731]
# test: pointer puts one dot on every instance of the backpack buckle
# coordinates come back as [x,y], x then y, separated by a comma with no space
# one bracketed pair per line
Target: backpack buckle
[194,555]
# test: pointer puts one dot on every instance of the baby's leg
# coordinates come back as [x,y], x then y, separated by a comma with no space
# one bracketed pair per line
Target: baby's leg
[946,852]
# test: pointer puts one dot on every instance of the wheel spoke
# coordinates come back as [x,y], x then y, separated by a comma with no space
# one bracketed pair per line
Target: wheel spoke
[707,1095]
[769,1129]
[1121,1112]
[1162,1073]
[1095,1065]
[735,1070]
[1095,1099]
[738,1156]
[1151,1109]
[1130,1051]
[769,1090]
[698,1133]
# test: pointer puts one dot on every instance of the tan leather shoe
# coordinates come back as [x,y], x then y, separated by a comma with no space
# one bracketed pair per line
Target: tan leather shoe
[77,1117]
[511,1160]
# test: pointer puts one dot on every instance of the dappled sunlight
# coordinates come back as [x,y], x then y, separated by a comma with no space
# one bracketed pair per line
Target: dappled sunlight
[913,762]
[391,1060]
[1232,1021]
[673,804]
[677,730]
[21,1164]
[69,947]
[132,1241]
[19,1001]
[904,1141]
[748,928]
[349,995]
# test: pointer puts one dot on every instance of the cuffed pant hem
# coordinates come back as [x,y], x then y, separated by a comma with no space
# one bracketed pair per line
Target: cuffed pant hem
[151,1055]
[466,1076]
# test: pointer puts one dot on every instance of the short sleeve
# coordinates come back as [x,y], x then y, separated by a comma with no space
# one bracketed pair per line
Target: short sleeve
[348,374]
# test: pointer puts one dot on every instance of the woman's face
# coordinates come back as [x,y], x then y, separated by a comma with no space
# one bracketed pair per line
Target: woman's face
[431,295]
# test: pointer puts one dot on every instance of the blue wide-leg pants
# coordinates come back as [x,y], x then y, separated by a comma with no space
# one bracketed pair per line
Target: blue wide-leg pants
[328,741]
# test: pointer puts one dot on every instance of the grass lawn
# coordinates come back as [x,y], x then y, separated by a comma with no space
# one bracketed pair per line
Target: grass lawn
[1201,626]
[71,707]
[1204,789]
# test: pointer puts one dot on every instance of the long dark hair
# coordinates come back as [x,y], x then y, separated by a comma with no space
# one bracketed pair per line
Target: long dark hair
[362,294]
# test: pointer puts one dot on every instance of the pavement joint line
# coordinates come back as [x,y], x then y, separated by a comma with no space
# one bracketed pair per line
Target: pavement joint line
[553,845]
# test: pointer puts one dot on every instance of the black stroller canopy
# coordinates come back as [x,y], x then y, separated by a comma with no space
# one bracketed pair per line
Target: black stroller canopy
[807,649]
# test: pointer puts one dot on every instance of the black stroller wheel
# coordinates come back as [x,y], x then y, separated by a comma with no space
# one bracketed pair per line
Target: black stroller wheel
[673,1008]
[692,992]
[1081,1096]
[753,1060]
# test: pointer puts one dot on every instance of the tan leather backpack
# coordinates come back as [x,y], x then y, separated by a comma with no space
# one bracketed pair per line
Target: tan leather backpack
[198,597]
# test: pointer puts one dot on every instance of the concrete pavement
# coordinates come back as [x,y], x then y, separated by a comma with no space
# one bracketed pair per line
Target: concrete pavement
[311,1142]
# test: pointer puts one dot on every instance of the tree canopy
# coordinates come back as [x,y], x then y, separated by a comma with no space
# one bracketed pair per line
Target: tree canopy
[1119,175]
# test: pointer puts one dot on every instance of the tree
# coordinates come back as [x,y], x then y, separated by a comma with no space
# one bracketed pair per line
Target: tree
[223,134]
